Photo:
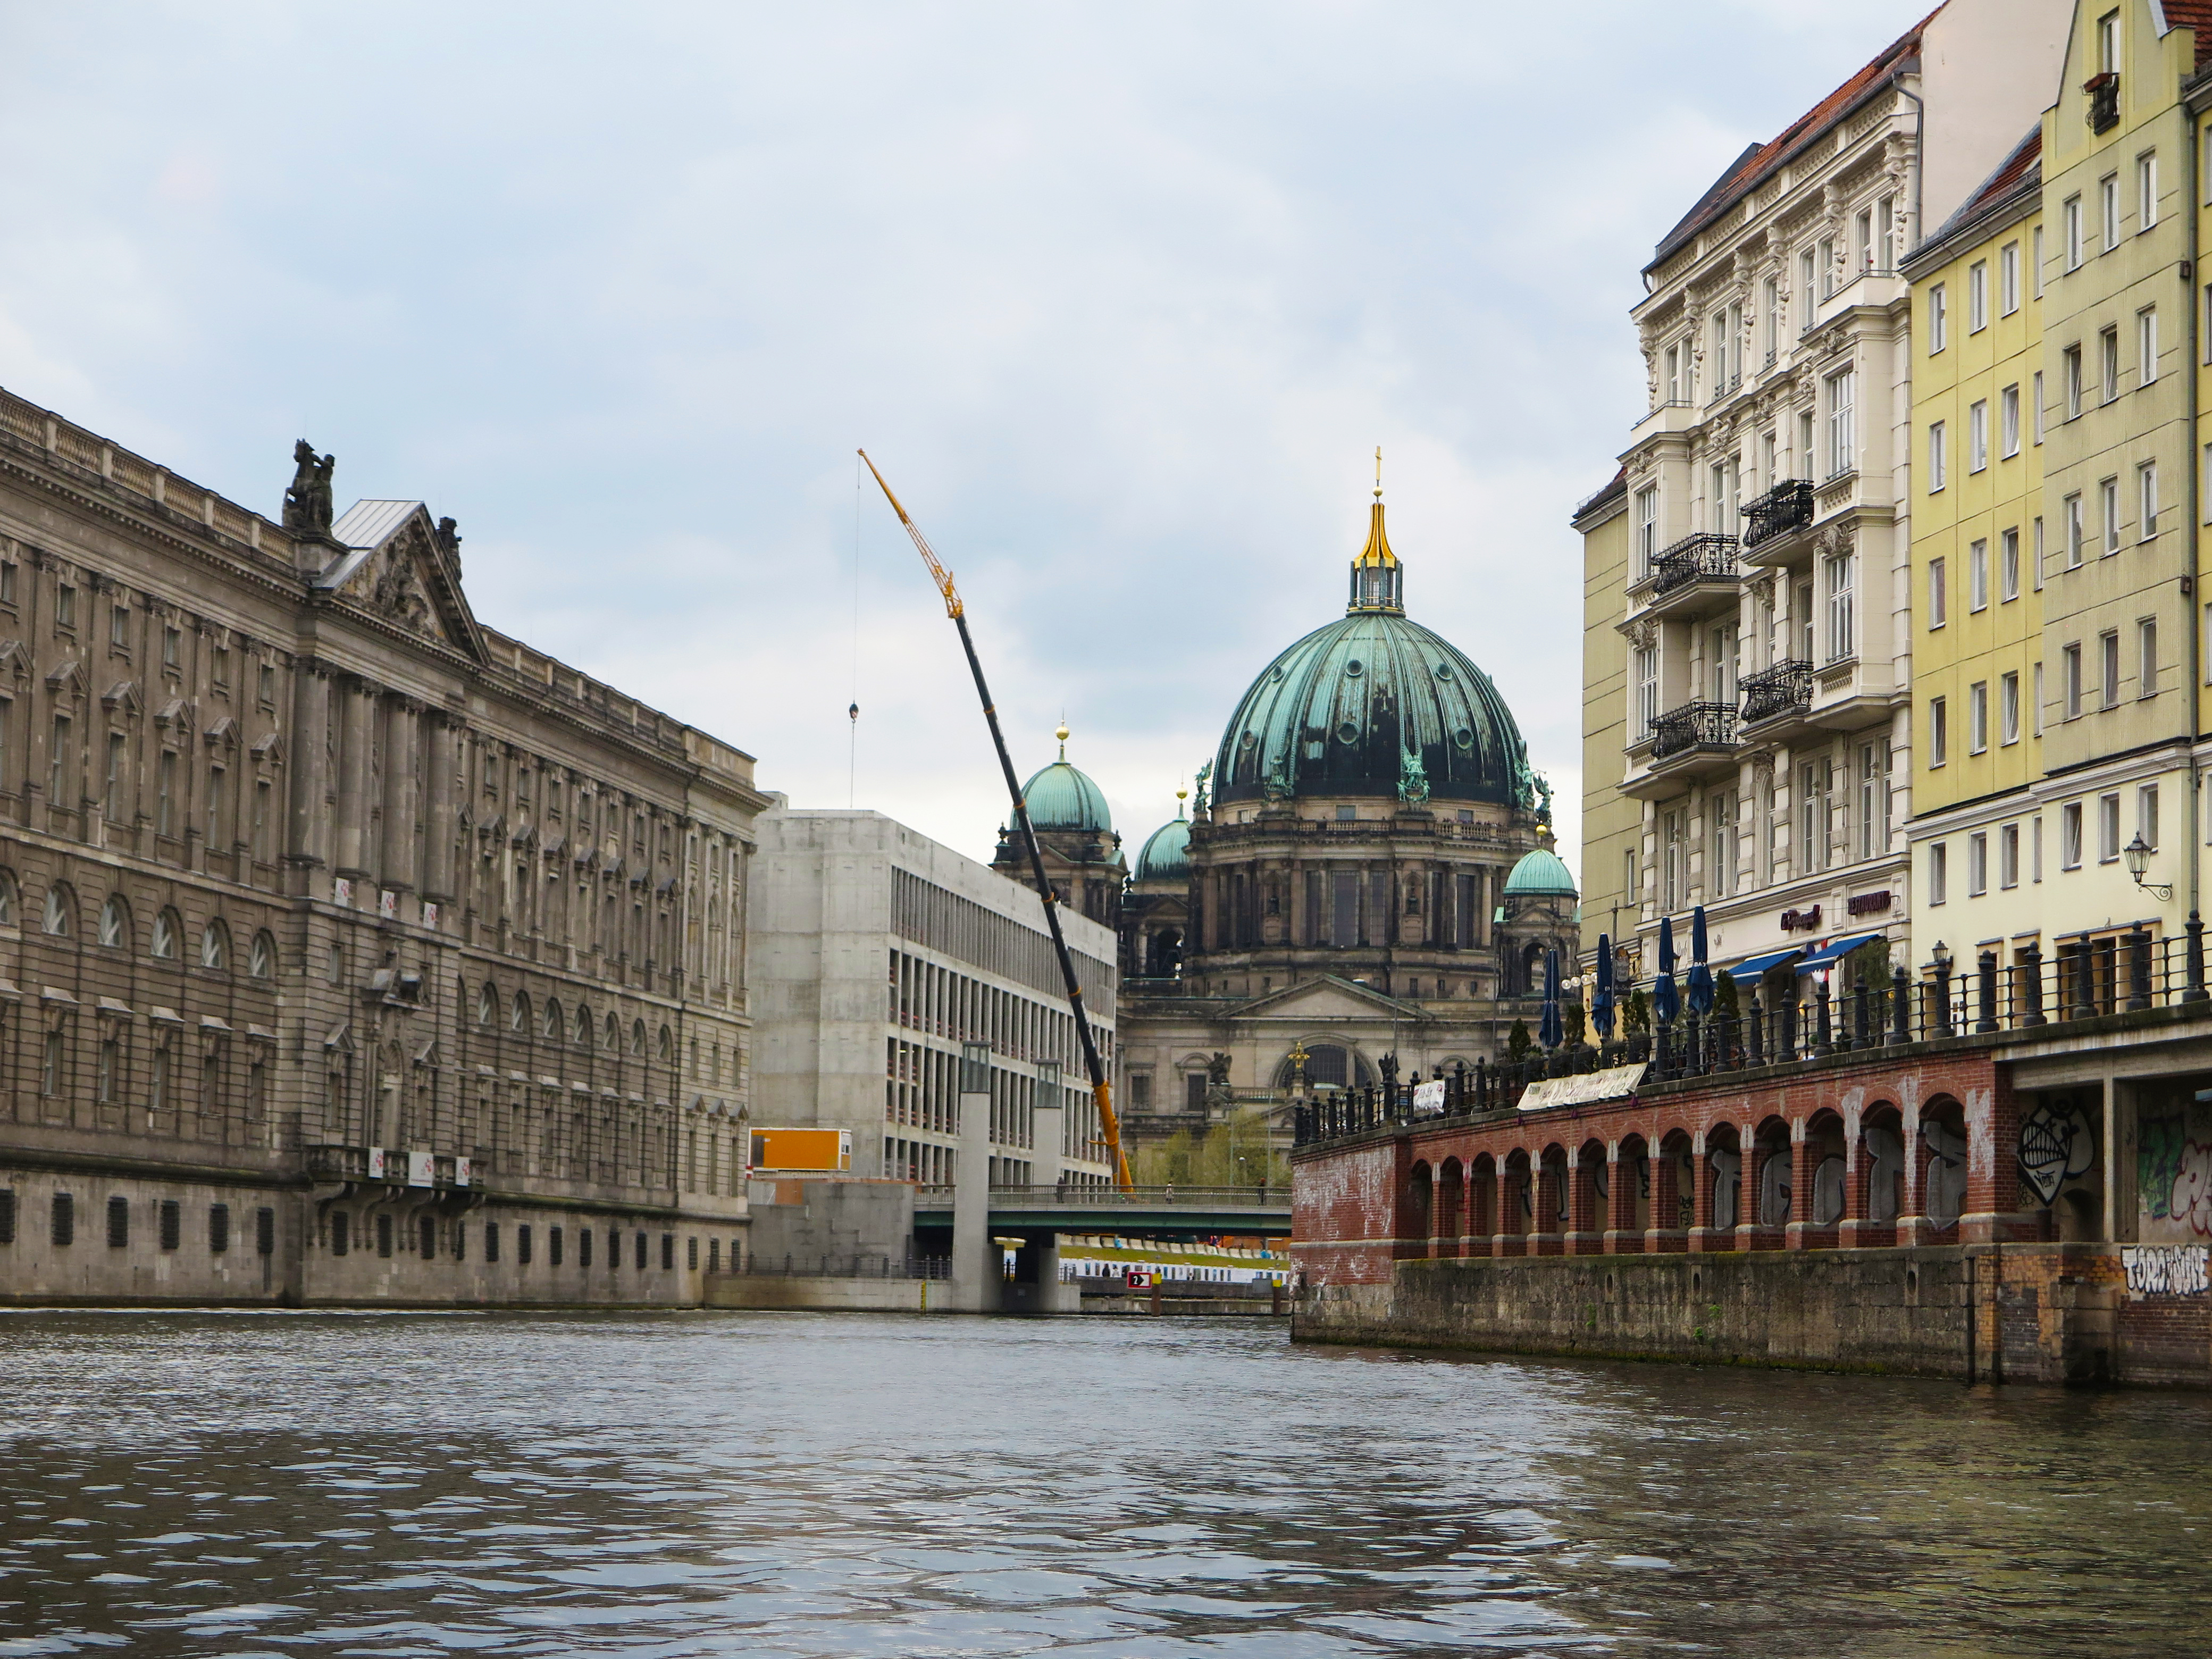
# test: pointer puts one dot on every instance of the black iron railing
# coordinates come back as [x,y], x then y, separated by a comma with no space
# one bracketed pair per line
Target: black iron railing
[1787,507]
[841,1264]
[1693,726]
[2104,92]
[1805,1021]
[1776,690]
[1705,557]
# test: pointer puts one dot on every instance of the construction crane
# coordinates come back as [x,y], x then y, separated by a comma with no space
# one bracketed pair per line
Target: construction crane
[1101,1090]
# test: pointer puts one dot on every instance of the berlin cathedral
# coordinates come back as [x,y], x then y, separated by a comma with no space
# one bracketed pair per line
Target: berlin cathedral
[1365,870]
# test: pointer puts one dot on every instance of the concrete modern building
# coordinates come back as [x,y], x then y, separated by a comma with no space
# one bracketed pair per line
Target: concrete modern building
[349,950]
[1362,877]
[1767,494]
[880,957]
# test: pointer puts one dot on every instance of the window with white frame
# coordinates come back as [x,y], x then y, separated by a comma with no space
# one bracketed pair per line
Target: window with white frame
[1674,375]
[1938,593]
[2008,708]
[2070,380]
[1827,252]
[2108,828]
[2008,855]
[2069,665]
[1647,690]
[1770,322]
[2035,703]
[1939,871]
[2074,532]
[2146,191]
[1978,718]
[2035,264]
[2147,497]
[2070,216]
[2108,659]
[2108,209]
[2070,836]
[1806,309]
[1938,457]
[2037,415]
[1674,858]
[1840,569]
[1977,296]
[2008,420]
[1842,444]
[1874,762]
[2009,564]
[1816,781]
[2108,363]
[2035,553]
[1721,857]
[1977,575]
[2146,814]
[2108,502]
[1939,731]
[2147,657]
[1939,319]
[1977,436]
[1978,864]
[2009,278]
[2146,345]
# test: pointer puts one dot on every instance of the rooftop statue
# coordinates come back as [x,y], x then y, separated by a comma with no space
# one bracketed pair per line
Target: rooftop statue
[307,508]
[449,538]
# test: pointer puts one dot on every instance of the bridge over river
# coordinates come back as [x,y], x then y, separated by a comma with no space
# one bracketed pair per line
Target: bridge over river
[1163,1212]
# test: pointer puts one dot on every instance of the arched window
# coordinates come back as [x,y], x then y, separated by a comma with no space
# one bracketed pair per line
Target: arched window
[215,946]
[165,936]
[61,904]
[7,898]
[637,1037]
[261,961]
[115,923]
[614,1034]
[583,1028]
[667,1045]
[554,1030]
[518,1017]
[487,1003]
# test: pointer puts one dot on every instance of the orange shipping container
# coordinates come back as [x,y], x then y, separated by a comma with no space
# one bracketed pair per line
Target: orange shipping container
[802,1148]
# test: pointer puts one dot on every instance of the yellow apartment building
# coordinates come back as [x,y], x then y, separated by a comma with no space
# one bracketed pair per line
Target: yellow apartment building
[1613,823]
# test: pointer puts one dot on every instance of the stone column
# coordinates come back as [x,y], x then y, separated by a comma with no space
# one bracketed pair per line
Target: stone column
[1854,1178]
[1620,1235]
[1703,1236]
[353,804]
[309,842]
[1912,1226]
[396,857]
[1803,1157]
[1585,1209]
[439,738]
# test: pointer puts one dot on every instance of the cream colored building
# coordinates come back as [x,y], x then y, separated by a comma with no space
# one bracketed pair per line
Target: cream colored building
[1765,600]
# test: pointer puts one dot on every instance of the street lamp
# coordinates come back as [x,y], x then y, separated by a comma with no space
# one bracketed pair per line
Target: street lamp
[2137,854]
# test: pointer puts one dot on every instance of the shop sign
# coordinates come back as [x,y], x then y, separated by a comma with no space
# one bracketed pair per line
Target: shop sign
[1802,922]
[1868,904]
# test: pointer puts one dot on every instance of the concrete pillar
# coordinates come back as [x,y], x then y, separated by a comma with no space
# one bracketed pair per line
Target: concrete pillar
[976,1273]
[396,859]
[440,751]
[309,841]
[352,814]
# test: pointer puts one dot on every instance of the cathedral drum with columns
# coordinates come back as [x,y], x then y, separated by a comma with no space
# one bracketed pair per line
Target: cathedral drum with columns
[1365,876]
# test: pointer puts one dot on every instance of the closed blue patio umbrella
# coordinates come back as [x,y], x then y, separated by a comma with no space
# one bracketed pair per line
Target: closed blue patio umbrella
[1666,1000]
[1700,978]
[1602,998]
[1553,1031]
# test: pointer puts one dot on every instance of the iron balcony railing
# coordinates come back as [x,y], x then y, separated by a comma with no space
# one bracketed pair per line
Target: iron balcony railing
[1705,557]
[1254,1195]
[1776,690]
[1787,507]
[1693,726]
[2104,92]
[1801,1020]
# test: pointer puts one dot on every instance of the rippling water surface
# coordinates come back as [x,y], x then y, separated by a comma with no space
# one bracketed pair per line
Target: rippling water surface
[673,1485]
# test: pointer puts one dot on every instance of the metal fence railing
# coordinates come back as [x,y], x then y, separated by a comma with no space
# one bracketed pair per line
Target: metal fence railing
[1255,1196]
[1803,1020]
[853,1265]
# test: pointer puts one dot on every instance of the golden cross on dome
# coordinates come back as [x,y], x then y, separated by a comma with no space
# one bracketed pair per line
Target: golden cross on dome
[1378,472]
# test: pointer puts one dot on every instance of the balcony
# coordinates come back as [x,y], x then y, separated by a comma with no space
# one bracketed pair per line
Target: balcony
[1691,576]
[1782,510]
[1685,742]
[2104,92]
[1772,693]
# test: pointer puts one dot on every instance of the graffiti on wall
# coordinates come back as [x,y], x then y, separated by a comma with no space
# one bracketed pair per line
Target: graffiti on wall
[1944,1192]
[2056,1144]
[2174,1175]
[1885,1154]
[1828,1191]
[2165,1269]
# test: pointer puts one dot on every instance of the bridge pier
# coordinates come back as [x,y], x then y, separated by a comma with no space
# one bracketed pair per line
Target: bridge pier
[977,1273]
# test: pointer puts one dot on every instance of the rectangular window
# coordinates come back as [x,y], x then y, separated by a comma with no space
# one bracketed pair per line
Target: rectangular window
[2008,420]
[1647,529]
[2108,209]
[1805,307]
[2008,856]
[2035,704]
[112,790]
[2035,554]
[2146,655]
[2108,828]
[119,626]
[1770,324]
[1977,575]
[2070,836]
[1674,390]
[2146,191]
[1977,296]
[2146,345]
[1977,717]
[1826,251]
[58,776]
[1843,447]
[1843,637]
[1939,595]
[1978,864]
[2108,364]
[2008,708]
[1939,732]
[2070,662]
[2108,503]
[2039,405]
[1977,436]
[171,647]
[1647,690]
[2147,497]
[1937,444]
[1938,874]
[2146,814]
[2070,380]
[2071,217]
[2035,272]
[64,606]
[165,793]
[2108,662]
[1939,319]
[2009,278]
[2009,564]
[2074,532]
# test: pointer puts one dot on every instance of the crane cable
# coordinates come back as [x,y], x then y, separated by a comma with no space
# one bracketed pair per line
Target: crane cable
[1101,1090]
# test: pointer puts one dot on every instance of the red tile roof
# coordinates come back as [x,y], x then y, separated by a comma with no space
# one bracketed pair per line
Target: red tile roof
[1761,160]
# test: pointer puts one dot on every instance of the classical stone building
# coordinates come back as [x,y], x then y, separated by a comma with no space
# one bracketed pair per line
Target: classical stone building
[1361,877]
[1075,838]
[348,950]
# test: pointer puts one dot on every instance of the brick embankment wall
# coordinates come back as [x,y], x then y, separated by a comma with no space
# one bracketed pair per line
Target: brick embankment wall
[2036,1314]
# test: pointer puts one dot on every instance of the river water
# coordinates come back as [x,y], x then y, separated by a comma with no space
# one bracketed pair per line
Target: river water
[689,1483]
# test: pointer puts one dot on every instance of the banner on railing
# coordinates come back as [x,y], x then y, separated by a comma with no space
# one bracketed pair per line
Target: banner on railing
[1614,1083]
[1429,1097]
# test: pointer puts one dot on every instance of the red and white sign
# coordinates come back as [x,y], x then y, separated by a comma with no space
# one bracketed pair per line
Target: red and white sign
[422,1169]
[376,1163]
[462,1170]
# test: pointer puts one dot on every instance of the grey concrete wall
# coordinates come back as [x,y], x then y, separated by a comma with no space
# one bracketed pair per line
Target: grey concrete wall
[801,1293]
[808,1220]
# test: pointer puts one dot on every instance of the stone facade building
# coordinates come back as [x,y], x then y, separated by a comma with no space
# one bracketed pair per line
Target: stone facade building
[348,950]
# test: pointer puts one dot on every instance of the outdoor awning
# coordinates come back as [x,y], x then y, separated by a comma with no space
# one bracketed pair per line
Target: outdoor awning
[1753,967]
[1834,950]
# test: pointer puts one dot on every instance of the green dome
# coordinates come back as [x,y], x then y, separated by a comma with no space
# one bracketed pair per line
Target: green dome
[1166,856]
[1373,704]
[1540,874]
[1061,797]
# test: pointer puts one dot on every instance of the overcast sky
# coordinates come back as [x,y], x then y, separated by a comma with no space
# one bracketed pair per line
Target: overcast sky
[1121,298]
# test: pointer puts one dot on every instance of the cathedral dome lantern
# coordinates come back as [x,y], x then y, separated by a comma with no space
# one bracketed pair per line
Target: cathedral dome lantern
[1374,704]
